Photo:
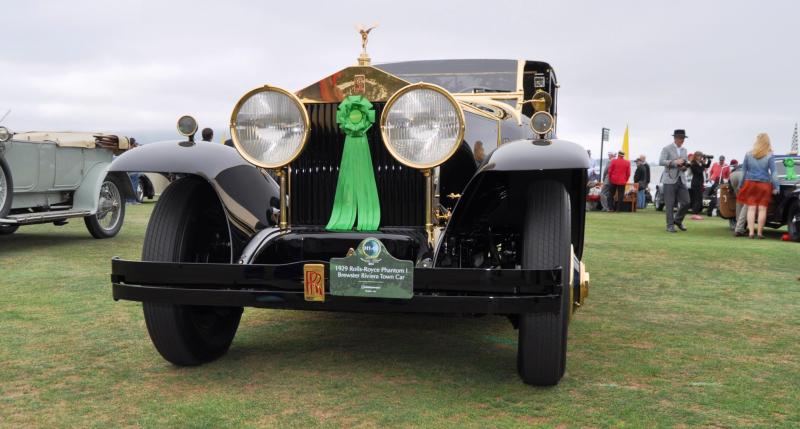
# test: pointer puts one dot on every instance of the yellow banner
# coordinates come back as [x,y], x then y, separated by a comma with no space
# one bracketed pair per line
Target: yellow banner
[625,144]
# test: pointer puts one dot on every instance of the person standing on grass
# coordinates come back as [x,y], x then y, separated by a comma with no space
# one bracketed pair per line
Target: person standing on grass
[736,178]
[605,191]
[698,167]
[718,170]
[618,174]
[673,180]
[760,183]
[646,176]
[639,177]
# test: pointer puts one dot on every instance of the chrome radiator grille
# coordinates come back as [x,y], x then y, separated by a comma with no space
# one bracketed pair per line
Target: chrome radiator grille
[314,174]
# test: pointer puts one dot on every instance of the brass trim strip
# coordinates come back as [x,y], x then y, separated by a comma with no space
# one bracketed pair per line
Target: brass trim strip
[429,204]
[282,175]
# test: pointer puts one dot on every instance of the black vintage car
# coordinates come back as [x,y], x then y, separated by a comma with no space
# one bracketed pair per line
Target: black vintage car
[784,209]
[412,187]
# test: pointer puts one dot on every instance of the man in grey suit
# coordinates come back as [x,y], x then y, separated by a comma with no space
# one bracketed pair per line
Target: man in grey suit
[673,180]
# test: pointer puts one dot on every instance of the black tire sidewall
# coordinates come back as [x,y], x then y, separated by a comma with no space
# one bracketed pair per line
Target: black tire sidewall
[6,208]
[540,333]
[793,227]
[8,229]
[173,329]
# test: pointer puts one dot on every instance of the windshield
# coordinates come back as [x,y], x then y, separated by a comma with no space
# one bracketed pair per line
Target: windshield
[459,76]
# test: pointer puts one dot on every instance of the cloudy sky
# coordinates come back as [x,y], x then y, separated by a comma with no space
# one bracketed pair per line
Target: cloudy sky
[723,70]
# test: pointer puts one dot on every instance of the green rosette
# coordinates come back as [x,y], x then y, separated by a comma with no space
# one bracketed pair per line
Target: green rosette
[356,191]
[789,164]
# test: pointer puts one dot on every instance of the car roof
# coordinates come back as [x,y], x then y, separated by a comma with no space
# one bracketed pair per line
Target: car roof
[462,75]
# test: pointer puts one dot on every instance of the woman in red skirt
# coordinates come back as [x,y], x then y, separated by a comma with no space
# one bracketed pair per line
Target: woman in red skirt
[760,183]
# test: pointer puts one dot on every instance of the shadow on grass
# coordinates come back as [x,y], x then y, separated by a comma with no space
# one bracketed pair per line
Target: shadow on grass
[483,347]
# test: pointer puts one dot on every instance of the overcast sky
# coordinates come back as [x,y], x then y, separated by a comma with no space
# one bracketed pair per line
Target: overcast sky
[723,70]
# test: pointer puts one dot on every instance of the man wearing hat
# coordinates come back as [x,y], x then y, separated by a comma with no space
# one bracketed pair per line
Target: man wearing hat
[605,191]
[618,173]
[673,180]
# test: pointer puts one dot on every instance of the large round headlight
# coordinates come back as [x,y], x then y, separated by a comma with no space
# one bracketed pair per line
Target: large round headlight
[269,127]
[5,134]
[422,125]
[542,122]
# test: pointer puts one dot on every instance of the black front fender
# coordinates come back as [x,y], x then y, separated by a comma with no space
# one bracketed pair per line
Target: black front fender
[495,197]
[247,194]
[527,155]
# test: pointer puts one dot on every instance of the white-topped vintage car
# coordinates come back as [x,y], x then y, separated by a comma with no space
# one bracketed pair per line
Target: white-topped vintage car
[49,177]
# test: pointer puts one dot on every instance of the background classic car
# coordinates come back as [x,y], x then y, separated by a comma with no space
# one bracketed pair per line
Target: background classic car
[54,176]
[784,208]
[488,212]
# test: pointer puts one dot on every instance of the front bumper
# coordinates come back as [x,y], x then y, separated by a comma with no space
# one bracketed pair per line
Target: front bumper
[280,286]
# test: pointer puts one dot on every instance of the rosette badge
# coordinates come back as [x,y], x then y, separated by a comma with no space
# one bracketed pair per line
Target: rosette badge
[356,191]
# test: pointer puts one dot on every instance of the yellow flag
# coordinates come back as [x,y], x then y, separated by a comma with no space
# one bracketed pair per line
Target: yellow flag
[625,144]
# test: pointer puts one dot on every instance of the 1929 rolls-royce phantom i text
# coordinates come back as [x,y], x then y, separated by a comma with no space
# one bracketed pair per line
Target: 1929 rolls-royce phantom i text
[412,187]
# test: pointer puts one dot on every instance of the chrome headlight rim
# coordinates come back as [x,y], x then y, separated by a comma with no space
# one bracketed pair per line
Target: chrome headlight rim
[5,134]
[388,107]
[187,133]
[235,135]
[549,128]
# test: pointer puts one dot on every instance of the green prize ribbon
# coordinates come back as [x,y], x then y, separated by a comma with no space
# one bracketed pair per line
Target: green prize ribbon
[356,191]
[789,164]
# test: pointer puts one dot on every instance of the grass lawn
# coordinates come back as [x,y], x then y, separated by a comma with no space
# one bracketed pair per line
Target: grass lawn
[688,329]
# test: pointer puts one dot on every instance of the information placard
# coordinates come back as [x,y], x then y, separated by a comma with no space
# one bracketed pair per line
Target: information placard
[371,272]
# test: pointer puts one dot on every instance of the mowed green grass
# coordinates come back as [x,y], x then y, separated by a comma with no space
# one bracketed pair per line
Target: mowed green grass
[689,329]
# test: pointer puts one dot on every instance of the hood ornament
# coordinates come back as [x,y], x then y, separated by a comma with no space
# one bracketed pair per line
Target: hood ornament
[364,59]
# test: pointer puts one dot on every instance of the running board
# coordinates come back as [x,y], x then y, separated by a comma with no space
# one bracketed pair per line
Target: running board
[31,218]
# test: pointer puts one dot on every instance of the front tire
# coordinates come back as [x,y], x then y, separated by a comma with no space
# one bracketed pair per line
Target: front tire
[188,225]
[793,221]
[139,191]
[107,222]
[542,347]
[658,201]
[6,229]
[6,188]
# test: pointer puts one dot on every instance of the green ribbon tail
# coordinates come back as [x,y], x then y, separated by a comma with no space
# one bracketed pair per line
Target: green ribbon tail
[356,191]
[343,216]
[369,208]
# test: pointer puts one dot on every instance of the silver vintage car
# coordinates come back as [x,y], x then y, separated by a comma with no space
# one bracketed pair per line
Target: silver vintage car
[49,177]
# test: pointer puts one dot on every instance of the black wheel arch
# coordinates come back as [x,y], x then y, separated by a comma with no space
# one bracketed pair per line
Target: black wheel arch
[496,195]
[498,199]
[247,195]
[123,184]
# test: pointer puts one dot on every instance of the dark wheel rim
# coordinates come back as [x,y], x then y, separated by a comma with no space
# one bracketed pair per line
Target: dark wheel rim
[139,191]
[794,223]
[109,207]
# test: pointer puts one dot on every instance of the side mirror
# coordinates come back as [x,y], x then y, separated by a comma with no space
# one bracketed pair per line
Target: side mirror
[187,126]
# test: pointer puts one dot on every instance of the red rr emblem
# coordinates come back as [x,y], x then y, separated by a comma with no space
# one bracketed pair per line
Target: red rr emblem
[314,282]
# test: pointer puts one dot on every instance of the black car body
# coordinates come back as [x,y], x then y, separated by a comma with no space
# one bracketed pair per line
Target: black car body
[246,236]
